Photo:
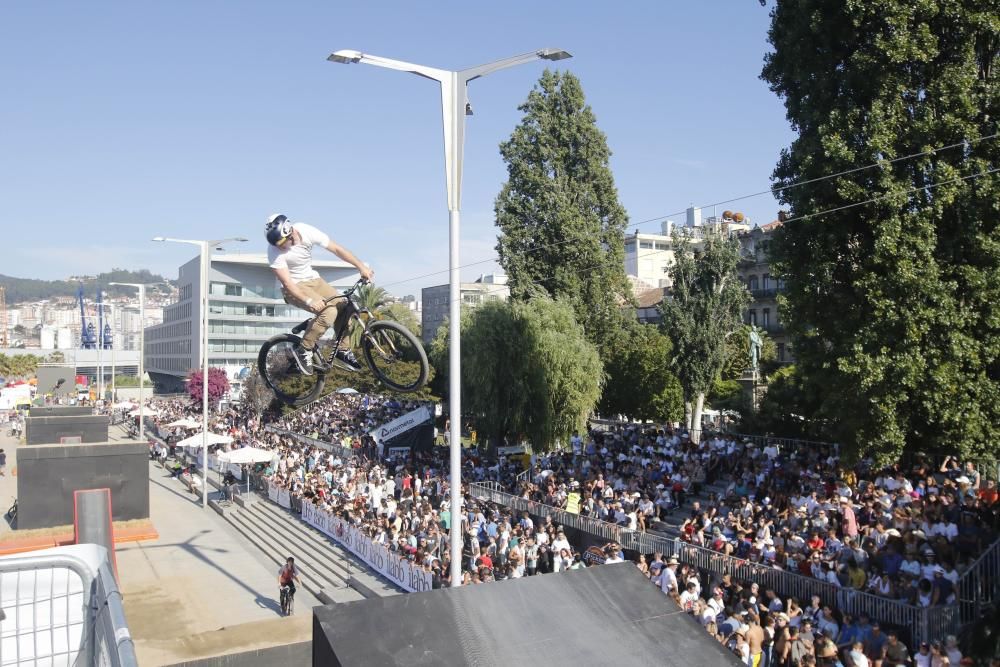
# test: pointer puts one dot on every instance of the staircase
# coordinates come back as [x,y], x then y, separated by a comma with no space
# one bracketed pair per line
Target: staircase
[327,570]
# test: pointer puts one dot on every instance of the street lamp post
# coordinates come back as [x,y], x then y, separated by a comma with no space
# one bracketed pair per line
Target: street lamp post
[454,107]
[206,261]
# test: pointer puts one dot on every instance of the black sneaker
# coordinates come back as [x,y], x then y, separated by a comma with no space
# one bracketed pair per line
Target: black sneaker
[304,360]
[347,360]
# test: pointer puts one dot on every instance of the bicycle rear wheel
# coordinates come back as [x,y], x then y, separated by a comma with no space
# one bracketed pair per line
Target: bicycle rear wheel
[276,363]
[395,356]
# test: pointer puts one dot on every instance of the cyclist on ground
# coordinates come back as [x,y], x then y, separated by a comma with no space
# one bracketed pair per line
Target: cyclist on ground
[288,575]
[290,257]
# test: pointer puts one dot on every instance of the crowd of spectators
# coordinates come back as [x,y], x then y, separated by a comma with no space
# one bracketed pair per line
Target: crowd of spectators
[902,532]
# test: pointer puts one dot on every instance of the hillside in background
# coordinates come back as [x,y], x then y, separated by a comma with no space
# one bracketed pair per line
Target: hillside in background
[27,289]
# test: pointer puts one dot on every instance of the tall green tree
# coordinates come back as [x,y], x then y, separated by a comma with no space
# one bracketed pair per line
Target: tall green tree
[894,304]
[704,307]
[528,371]
[639,382]
[561,225]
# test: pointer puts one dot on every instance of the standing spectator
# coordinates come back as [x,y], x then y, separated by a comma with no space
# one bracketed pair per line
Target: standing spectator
[895,652]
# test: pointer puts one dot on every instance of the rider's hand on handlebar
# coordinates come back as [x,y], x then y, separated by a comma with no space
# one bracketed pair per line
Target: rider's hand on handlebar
[367,273]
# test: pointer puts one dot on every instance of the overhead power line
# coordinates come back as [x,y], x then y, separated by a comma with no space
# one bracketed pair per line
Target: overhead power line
[771,191]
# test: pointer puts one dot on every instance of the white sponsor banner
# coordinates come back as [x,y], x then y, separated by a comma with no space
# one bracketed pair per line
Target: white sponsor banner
[401,424]
[272,493]
[387,563]
[512,449]
[285,499]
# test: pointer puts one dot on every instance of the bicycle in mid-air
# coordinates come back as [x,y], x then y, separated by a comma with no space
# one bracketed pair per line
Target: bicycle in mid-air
[394,355]
[287,600]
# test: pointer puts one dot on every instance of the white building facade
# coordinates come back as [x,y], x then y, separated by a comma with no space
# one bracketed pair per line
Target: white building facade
[245,308]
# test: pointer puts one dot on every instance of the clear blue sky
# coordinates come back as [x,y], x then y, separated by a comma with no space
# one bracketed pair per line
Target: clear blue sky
[125,120]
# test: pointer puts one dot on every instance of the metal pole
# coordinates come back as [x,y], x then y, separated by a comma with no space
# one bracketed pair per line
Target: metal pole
[455,399]
[142,352]
[114,365]
[205,266]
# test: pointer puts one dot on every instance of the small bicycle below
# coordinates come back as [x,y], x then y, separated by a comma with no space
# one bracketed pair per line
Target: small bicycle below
[287,600]
[394,355]
[12,512]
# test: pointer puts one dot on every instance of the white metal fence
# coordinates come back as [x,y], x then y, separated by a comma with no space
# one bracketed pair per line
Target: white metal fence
[61,608]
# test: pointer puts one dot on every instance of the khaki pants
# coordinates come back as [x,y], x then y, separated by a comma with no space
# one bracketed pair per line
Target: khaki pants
[316,289]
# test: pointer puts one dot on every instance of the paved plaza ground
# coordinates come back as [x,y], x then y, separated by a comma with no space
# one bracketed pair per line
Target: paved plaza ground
[197,591]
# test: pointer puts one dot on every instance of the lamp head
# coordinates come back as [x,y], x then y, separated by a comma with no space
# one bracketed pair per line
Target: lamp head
[554,54]
[346,56]
[159,238]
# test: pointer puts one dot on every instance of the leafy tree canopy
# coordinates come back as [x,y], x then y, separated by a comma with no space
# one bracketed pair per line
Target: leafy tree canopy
[704,307]
[639,382]
[894,304]
[528,371]
[561,224]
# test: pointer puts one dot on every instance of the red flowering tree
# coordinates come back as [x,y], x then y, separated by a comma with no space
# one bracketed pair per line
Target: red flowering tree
[218,385]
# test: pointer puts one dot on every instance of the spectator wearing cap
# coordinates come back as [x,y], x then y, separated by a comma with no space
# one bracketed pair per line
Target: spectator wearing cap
[922,658]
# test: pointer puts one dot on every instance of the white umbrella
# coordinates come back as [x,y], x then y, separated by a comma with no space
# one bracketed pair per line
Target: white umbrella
[195,441]
[124,405]
[347,390]
[248,456]
[186,422]
[150,412]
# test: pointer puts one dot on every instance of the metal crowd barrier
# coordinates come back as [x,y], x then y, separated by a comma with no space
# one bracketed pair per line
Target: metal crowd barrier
[57,610]
[924,624]
[343,452]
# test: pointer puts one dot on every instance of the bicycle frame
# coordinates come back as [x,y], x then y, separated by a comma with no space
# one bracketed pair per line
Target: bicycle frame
[354,314]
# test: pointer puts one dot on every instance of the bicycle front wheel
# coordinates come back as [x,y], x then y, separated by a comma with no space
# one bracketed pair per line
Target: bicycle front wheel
[395,356]
[276,363]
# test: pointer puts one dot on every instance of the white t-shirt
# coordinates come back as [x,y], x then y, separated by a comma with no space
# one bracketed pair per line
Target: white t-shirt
[298,258]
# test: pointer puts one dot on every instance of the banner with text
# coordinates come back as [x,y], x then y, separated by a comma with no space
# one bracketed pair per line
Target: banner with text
[401,424]
[397,570]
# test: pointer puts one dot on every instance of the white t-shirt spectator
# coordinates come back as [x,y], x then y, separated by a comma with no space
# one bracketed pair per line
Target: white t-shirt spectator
[298,258]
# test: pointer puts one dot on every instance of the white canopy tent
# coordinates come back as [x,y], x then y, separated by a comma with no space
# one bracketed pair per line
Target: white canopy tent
[247,456]
[149,412]
[123,405]
[185,422]
[196,440]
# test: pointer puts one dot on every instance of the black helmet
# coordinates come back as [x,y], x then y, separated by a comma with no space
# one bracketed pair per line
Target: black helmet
[278,229]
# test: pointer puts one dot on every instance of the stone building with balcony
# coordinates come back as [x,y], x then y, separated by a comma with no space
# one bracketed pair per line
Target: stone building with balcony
[755,271]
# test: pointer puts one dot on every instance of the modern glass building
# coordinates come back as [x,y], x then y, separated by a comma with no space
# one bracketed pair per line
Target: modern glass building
[245,308]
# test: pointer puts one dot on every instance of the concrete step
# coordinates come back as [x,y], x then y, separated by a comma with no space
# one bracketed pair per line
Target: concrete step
[307,553]
[272,551]
[369,582]
[299,537]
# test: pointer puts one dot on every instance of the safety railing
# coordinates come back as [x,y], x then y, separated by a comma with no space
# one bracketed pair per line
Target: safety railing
[782,443]
[55,609]
[339,450]
[924,624]
[979,586]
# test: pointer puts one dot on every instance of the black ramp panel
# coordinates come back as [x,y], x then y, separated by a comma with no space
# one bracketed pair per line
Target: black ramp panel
[609,614]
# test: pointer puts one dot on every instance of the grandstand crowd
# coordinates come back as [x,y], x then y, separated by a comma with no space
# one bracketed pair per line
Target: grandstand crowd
[904,532]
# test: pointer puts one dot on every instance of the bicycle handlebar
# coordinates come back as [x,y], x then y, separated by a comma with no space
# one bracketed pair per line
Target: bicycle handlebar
[349,291]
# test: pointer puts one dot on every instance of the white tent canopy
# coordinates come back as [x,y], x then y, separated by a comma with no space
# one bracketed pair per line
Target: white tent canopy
[148,412]
[247,455]
[347,390]
[196,440]
[123,405]
[186,422]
